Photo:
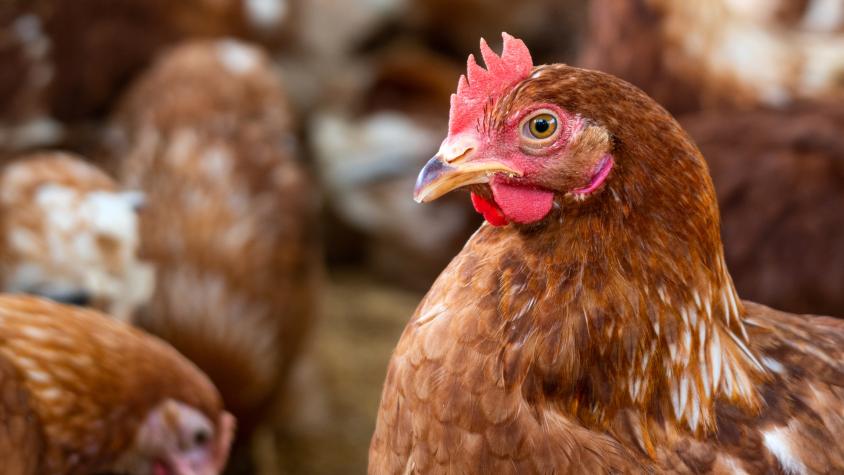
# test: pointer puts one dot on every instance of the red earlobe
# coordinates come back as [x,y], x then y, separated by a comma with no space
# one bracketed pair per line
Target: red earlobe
[490,211]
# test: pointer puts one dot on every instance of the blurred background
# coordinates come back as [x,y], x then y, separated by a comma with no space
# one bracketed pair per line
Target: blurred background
[277,142]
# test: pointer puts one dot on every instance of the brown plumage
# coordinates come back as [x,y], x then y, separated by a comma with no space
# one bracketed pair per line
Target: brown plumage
[121,38]
[228,221]
[82,393]
[64,65]
[25,73]
[592,325]
[68,233]
[21,443]
[455,25]
[779,177]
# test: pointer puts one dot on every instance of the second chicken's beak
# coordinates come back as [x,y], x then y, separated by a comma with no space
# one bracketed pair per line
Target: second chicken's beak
[441,175]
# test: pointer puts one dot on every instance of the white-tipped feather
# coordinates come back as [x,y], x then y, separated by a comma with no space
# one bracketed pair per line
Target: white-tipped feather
[715,359]
[687,342]
[777,441]
[745,350]
[675,400]
[694,409]
[684,394]
[728,380]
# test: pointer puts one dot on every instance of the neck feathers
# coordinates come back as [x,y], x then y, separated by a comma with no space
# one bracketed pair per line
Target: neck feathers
[644,313]
[698,352]
[661,244]
[601,338]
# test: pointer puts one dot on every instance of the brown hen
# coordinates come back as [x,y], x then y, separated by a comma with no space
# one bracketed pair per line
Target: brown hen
[228,222]
[83,393]
[591,326]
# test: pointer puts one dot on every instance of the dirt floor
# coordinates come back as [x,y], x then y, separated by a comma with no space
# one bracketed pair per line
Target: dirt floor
[339,384]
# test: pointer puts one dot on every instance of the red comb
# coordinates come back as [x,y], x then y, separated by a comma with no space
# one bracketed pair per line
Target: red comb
[480,85]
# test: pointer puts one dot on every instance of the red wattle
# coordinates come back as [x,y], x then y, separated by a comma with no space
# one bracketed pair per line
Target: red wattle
[521,204]
[158,468]
[490,211]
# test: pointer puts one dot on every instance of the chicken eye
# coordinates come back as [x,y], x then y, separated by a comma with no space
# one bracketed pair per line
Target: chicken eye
[542,126]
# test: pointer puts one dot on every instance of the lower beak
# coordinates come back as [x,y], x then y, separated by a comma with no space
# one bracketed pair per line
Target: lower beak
[439,177]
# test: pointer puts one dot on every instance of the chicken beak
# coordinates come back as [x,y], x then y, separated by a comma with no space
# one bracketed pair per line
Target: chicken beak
[442,174]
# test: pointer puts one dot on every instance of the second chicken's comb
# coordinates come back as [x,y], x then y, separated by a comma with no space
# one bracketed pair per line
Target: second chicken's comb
[479,85]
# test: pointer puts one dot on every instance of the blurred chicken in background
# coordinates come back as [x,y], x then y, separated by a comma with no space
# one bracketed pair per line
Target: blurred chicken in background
[721,53]
[68,233]
[82,393]
[207,134]
[779,176]
[75,58]
[366,148]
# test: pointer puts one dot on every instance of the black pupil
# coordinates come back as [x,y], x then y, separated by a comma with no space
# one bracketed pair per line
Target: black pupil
[541,125]
[200,437]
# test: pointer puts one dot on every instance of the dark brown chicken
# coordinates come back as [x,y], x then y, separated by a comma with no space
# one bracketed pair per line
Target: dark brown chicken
[592,326]
[779,177]
[82,393]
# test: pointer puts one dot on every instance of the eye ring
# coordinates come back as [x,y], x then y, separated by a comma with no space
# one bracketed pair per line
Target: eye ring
[541,127]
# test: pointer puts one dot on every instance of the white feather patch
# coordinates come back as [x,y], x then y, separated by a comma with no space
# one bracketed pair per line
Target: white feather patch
[777,442]
[773,365]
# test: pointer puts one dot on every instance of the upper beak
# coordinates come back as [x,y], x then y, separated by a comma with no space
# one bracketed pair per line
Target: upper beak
[441,174]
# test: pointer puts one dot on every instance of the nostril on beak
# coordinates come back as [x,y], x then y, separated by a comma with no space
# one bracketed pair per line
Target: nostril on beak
[458,158]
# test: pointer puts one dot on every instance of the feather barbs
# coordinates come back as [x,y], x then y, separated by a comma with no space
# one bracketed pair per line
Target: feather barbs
[479,85]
